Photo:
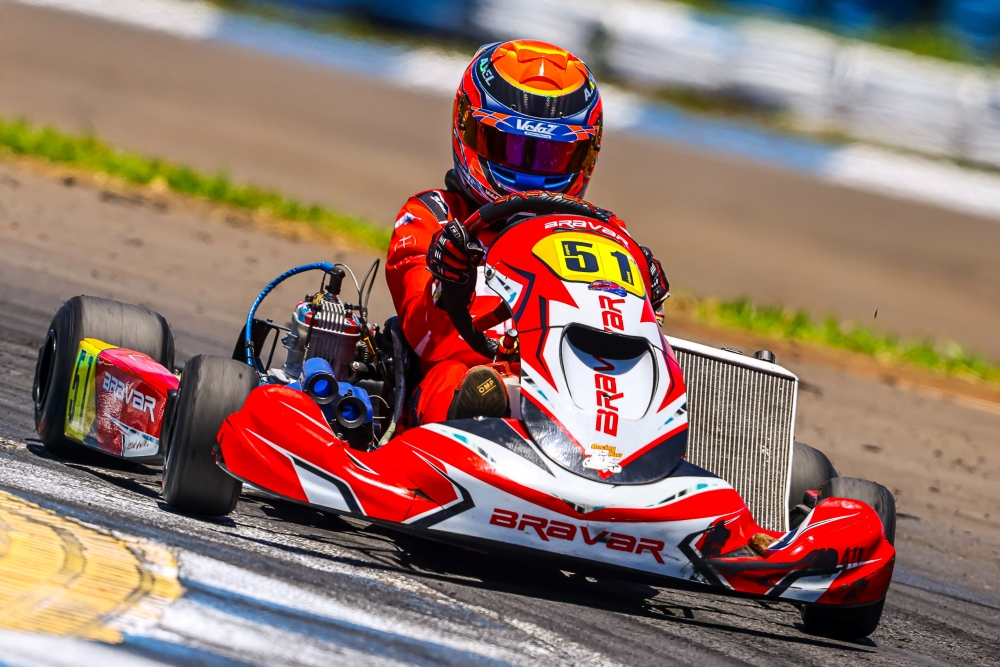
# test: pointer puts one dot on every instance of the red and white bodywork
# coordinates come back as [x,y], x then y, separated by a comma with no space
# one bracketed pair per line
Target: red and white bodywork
[591,464]
[116,401]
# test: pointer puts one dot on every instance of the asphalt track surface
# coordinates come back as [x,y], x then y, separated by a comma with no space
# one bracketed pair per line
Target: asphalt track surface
[202,268]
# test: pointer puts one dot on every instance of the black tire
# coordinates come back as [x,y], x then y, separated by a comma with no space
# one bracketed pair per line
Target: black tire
[810,469]
[853,622]
[211,389]
[121,324]
[876,495]
[842,622]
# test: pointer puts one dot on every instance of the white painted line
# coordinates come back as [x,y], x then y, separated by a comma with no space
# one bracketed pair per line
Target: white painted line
[23,649]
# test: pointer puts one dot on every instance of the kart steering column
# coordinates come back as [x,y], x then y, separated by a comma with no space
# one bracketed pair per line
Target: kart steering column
[499,215]
[455,300]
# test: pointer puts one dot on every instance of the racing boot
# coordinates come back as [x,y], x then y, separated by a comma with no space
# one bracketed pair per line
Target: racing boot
[481,394]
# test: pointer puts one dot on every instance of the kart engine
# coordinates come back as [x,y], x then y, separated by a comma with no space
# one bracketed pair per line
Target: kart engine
[322,345]
[322,326]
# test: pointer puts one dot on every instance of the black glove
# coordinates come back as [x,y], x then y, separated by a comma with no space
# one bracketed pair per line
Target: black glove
[657,279]
[453,258]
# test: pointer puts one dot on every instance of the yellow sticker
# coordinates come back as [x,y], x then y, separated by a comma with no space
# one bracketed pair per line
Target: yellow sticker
[610,450]
[81,408]
[585,258]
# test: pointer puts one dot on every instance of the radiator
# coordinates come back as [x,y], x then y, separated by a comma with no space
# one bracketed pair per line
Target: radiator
[741,416]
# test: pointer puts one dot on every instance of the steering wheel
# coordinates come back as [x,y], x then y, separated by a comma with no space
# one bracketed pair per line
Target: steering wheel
[498,214]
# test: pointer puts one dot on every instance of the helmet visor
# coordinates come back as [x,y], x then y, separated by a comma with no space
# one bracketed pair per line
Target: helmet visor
[520,152]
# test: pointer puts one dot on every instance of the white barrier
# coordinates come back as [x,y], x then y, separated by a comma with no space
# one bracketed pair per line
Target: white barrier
[879,94]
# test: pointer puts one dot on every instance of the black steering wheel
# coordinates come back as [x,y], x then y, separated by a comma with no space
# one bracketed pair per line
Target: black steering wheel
[500,215]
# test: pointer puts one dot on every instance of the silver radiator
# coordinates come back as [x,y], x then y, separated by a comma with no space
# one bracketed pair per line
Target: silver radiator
[741,416]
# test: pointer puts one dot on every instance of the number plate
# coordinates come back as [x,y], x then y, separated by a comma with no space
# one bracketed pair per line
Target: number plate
[584,258]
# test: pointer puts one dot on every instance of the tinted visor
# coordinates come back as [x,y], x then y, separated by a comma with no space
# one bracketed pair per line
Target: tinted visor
[527,154]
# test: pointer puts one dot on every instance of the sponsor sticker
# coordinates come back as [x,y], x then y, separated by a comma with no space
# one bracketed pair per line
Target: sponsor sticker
[604,458]
[404,219]
[536,128]
[129,396]
[608,286]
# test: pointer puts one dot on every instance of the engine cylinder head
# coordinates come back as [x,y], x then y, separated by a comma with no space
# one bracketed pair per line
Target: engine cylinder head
[325,328]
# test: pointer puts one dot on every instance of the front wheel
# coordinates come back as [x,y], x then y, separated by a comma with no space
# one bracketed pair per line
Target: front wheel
[119,324]
[853,622]
[211,389]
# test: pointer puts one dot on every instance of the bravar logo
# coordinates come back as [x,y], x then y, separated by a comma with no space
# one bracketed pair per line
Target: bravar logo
[560,530]
[536,127]
[585,225]
[136,399]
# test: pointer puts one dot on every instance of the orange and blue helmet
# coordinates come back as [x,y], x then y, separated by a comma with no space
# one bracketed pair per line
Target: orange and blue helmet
[528,116]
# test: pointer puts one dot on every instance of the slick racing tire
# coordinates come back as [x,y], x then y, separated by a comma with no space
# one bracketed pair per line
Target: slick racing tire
[877,496]
[861,621]
[810,469]
[842,622]
[211,389]
[120,324]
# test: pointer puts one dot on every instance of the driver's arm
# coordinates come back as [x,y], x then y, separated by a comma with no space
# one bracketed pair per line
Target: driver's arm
[406,270]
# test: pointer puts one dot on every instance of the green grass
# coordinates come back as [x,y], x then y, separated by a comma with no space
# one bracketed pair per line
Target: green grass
[799,326]
[87,152]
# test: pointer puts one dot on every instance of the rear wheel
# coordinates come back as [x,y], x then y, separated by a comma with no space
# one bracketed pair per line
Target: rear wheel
[120,324]
[853,622]
[877,496]
[843,622]
[211,389]
[810,469]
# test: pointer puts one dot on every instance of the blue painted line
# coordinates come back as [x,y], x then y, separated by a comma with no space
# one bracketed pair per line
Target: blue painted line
[654,120]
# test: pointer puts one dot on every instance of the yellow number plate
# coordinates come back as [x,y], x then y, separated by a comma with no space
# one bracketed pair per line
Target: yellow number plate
[584,258]
[81,408]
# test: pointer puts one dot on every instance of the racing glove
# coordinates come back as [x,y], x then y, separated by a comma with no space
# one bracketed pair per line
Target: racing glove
[657,279]
[453,257]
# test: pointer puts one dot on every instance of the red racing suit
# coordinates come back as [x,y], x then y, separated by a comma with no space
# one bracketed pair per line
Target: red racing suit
[444,356]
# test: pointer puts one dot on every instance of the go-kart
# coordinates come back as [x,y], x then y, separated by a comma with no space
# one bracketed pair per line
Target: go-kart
[624,451]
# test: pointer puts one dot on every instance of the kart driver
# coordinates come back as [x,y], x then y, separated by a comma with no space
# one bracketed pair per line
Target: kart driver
[527,116]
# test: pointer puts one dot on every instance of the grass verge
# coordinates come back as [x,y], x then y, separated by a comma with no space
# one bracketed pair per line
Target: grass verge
[87,152]
[775,322]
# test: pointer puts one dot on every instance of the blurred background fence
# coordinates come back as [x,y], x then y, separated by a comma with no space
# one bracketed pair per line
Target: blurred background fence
[817,68]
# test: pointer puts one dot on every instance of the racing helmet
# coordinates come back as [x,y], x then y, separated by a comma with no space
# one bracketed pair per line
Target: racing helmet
[528,116]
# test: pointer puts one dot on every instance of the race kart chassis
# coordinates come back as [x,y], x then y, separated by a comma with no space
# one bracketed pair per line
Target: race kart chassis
[611,458]
[484,481]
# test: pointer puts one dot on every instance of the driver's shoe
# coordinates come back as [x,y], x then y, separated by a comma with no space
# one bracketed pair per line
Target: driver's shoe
[481,394]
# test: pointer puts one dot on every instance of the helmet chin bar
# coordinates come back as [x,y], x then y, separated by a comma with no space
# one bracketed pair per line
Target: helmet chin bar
[519,181]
